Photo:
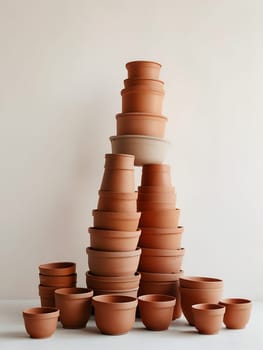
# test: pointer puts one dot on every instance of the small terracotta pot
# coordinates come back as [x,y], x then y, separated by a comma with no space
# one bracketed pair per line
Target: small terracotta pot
[156,311]
[168,218]
[58,268]
[237,312]
[154,84]
[58,281]
[114,314]
[103,263]
[129,292]
[141,124]
[118,180]
[119,221]
[115,284]
[156,175]
[156,190]
[109,240]
[200,282]
[143,69]
[41,322]
[161,260]
[119,161]
[161,238]
[74,305]
[117,201]
[208,318]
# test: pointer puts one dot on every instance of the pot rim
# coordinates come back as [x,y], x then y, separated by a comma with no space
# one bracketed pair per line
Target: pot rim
[235,302]
[109,254]
[57,268]
[139,137]
[162,252]
[200,279]
[209,307]
[118,279]
[147,79]
[41,312]
[126,195]
[124,215]
[74,293]
[137,89]
[124,300]
[121,234]
[143,62]
[197,290]
[165,300]
[162,231]
[165,277]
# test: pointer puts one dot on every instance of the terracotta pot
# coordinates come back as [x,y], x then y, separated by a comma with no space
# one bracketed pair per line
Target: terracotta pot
[200,282]
[47,296]
[165,197]
[141,124]
[119,161]
[113,283]
[143,69]
[154,84]
[237,312]
[74,305]
[58,281]
[143,100]
[208,318]
[161,238]
[161,260]
[168,218]
[156,175]
[156,311]
[149,205]
[147,149]
[156,190]
[117,201]
[129,292]
[191,296]
[160,277]
[118,180]
[119,221]
[113,263]
[109,240]
[114,314]
[41,322]
[58,268]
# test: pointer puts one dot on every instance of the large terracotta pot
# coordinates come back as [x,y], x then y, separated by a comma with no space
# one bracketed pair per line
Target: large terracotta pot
[117,283]
[116,221]
[160,238]
[117,201]
[143,69]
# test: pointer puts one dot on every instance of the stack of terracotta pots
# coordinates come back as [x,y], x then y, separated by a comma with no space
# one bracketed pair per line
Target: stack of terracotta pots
[113,256]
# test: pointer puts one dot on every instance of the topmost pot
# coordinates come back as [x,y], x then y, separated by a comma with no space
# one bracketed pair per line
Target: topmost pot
[143,69]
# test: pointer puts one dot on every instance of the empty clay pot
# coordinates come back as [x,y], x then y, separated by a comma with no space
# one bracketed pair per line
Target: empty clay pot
[74,305]
[161,260]
[117,201]
[47,296]
[147,149]
[58,268]
[119,161]
[115,284]
[104,263]
[156,311]
[41,322]
[154,84]
[237,312]
[114,314]
[200,282]
[109,240]
[208,318]
[141,124]
[156,175]
[160,238]
[119,221]
[118,180]
[143,69]
[168,218]
[58,281]
[129,292]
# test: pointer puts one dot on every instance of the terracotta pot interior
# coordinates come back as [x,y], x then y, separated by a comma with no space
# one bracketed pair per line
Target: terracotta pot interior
[207,306]
[156,298]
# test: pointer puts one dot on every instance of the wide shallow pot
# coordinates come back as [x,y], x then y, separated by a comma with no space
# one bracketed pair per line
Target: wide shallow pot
[191,296]
[62,268]
[156,175]
[129,292]
[143,69]
[208,318]
[168,218]
[58,281]
[74,305]
[161,260]
[156,311]
[119,161]
[41,322]
[200,282]
[237,312]
[147,149]
[119,221]
[141,124]
[118,180]
[109,240]
[117,201]
[115,284]
[113,263]
[154,84]
[158,238]
[114,314]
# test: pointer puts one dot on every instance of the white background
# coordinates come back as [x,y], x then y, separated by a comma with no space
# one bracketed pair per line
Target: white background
[62,65]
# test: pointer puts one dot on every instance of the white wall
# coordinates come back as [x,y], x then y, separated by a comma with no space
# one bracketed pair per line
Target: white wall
[62,66]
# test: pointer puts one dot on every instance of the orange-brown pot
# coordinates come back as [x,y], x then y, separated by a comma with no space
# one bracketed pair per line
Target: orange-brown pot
[201,282]
[161,260]
[237,312]
[158,190]
[41,322]
[168,218]
[118,180]
[160,238]
[118,283]
[117,201]
[156,175]
[62,268]
[119,221]
[47,296]
[143,69]
[58,281]
[119,161]
[154,84]
[208,318]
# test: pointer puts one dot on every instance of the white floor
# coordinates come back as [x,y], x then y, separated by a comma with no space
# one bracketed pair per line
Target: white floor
[179,336]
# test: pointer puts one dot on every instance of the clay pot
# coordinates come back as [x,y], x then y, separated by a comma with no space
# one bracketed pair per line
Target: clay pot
[147,149]
[156,311]
[160,238]
[118,283]
[119,161]
[208,318]
[191,296]
[161,260]
[154,84]
[237,312]
[58,281]
[74,305]
[114,314]
[109,240]
[156,175]
[168,218]
[162,196]
[41,322]
[47,296]
[197,282]
[113,263]
[156,190]
[117,201]
[143,70]
[118,180]
[119,221]
[149,205]
[129,292]
[141,124]
[57,269]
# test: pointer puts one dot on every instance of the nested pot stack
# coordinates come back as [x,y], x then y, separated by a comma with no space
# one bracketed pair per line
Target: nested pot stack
[113,256]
